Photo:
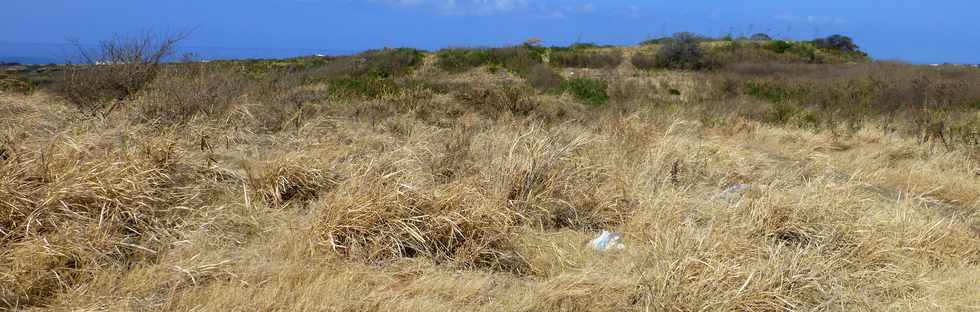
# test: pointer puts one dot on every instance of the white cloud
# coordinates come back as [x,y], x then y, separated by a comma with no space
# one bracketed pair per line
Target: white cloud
[465,7]
[541,8]
[810,19]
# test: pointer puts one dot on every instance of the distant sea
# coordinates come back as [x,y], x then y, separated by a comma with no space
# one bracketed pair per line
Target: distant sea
[58,53]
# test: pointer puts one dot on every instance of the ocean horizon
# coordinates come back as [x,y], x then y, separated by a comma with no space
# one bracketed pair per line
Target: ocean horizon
[62,53]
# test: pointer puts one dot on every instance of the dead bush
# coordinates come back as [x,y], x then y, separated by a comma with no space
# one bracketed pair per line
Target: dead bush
[495,101]
[115,71]
[544,78]
[181,92]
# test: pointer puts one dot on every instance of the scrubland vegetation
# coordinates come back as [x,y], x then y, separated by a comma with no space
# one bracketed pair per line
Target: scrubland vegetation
[472,179]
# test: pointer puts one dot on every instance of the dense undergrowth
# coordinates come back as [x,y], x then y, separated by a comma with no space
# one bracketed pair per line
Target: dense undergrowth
[471,179]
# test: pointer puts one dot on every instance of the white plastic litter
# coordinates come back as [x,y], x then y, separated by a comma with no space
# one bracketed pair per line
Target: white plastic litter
[608,241]
[733,194]
[735,189]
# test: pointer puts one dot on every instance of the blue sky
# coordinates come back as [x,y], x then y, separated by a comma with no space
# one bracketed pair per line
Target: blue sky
[912,30]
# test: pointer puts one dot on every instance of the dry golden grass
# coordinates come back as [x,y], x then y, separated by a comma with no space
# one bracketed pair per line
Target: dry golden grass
[482,199]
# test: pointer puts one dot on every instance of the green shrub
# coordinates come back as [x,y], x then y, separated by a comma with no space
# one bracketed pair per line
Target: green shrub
[459,60]
[370,74]
[779,51]
[16,84]
[586,59]
[537,52]
[578,46]
[778,46]
[584,45]
[590,91]
[683,51]
[781,112]
[836,42]
[675,37]
[388,62]
[366,86]
[760,37]
[653,41]
[805,118]
[792,114]
[385,63]
[773,92]
[517,59]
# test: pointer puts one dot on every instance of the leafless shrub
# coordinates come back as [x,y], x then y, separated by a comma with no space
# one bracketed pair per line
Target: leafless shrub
[544,78]
[684,51]
[181,92]
[494,102]
[116,70]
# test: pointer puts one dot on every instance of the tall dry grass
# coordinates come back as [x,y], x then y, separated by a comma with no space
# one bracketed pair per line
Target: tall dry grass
[217,189]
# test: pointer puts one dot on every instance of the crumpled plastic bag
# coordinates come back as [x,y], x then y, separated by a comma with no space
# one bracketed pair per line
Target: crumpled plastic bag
[607,241]
[733,194]
[735,189]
